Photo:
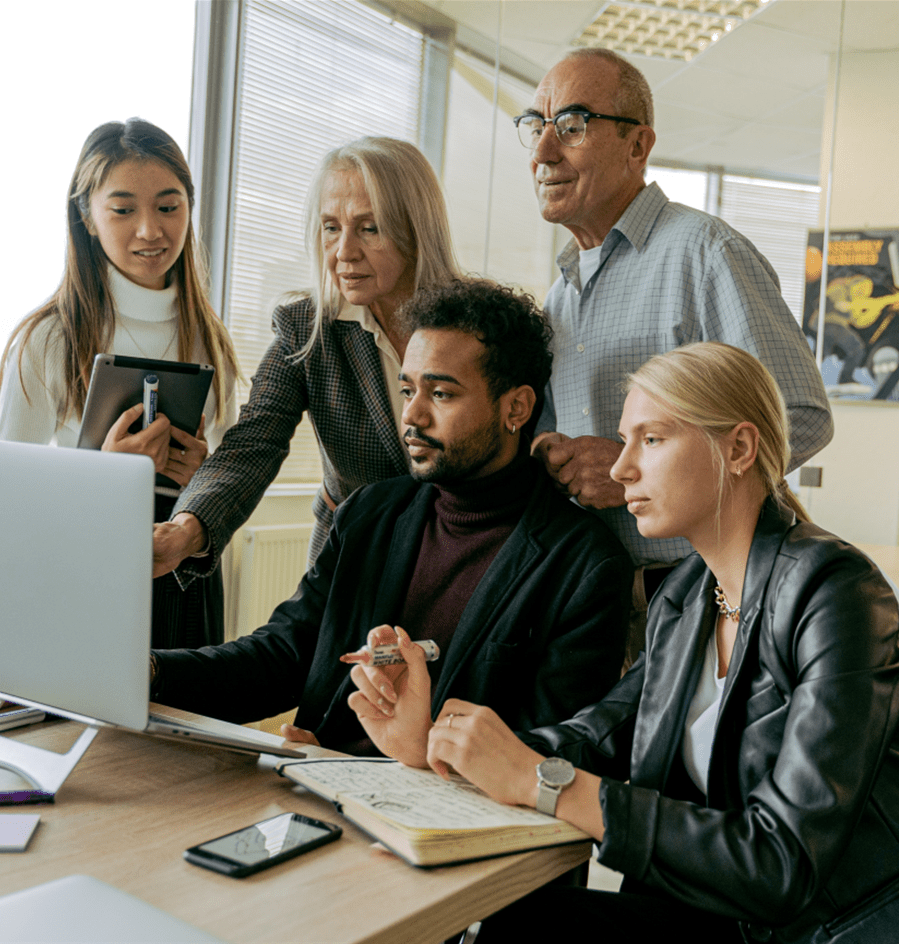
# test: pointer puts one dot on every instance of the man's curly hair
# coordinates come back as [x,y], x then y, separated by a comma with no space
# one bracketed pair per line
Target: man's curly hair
[514,331]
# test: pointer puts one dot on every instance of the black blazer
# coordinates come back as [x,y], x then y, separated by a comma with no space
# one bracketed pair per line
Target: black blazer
[801,822]
[542,634]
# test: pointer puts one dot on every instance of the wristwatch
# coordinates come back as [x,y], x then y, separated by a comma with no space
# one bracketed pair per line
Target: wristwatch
[553,775]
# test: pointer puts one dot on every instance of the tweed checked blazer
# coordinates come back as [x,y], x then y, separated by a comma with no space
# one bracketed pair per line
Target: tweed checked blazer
[340,384]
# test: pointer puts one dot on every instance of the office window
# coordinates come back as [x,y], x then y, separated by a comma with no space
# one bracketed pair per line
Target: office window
[66,68]
[690,187]
[312,76]
[776,216]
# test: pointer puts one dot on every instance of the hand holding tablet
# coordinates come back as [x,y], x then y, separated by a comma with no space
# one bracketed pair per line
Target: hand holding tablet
[115,405]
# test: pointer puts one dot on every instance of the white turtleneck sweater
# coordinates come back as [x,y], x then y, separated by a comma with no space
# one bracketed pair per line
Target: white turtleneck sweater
[146,326]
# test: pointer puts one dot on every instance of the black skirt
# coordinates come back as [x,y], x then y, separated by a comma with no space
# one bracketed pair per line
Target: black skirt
[186,619]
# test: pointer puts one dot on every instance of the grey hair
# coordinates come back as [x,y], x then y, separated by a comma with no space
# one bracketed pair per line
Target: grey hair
[408,207]
[633,97]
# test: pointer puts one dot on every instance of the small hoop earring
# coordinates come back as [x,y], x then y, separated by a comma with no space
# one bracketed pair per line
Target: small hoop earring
[739,473]
[514,427]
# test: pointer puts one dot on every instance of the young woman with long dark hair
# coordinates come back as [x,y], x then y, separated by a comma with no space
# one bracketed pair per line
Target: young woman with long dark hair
[132,285]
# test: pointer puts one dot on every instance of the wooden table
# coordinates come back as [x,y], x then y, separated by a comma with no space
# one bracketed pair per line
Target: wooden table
[134,803]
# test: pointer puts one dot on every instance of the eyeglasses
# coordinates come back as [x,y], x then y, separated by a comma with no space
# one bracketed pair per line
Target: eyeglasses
[571,127]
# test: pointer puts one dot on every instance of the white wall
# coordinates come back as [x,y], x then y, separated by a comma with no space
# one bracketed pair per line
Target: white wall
[859,494]
[859,497]
[866,161]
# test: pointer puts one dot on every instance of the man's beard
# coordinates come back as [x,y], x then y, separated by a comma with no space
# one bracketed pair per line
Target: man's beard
[461,461]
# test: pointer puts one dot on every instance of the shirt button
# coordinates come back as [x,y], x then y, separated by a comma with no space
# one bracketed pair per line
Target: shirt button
[586,411]
[581,348]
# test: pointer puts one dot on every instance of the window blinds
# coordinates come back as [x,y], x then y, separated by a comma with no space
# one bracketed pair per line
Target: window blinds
[312,75]
[776,217]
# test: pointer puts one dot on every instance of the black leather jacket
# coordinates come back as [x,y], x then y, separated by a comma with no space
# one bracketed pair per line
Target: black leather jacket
[801,822]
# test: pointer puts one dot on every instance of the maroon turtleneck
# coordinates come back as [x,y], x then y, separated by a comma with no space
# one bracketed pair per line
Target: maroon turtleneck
[469,522]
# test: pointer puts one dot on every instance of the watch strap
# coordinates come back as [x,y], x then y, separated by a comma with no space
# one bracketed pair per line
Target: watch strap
[547,798]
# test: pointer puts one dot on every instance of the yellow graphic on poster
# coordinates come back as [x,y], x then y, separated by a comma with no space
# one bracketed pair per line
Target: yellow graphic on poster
[861,328]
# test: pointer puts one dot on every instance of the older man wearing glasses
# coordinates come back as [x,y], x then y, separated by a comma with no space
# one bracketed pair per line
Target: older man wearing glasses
[641,276]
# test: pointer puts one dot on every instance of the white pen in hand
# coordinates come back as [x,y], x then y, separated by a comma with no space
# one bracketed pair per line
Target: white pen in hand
[151,393]
[389,654]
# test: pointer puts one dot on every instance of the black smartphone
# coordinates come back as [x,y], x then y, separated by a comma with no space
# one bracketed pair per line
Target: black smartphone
[262,845]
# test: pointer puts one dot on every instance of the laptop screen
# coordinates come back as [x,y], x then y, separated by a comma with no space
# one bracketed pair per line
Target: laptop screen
[76,561]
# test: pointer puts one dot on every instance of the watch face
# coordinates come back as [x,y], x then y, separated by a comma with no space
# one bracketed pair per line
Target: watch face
[556,772]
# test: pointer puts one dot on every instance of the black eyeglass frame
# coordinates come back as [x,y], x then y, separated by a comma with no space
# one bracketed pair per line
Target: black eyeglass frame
[586,115]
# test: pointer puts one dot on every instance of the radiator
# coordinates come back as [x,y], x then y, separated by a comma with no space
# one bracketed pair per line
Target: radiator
[272,563]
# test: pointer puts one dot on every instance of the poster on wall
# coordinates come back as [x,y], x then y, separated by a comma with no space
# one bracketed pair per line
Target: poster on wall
[861,321]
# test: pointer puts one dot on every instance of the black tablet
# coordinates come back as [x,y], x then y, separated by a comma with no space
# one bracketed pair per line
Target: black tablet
[117,383]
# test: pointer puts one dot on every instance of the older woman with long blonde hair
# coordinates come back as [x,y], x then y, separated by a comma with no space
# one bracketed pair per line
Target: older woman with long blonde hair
[376,230]
[744,774]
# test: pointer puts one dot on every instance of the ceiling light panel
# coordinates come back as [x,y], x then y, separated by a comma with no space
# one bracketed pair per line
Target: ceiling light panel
[666,29]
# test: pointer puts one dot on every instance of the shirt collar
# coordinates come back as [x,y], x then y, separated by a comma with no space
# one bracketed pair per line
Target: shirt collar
[367,321]
[634,225]
[357,313]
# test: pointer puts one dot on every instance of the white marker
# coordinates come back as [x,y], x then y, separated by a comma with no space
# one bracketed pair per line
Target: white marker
[151,394]
[390,654]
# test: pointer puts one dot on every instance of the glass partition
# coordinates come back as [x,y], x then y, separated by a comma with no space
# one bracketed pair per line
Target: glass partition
[800,96]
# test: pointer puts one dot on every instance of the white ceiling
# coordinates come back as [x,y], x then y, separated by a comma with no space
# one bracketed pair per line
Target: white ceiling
[753,102]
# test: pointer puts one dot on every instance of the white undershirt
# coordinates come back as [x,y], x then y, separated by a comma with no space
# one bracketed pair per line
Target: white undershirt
[699,730]
[589,263]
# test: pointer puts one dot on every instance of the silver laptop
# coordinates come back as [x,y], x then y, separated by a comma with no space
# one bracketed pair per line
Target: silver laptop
[80,908]
[76,560]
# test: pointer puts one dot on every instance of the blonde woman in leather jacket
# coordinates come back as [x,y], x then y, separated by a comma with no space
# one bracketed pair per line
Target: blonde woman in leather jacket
[744,774]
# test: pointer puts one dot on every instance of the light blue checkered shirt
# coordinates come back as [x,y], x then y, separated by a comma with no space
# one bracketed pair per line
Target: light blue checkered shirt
[669,275]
